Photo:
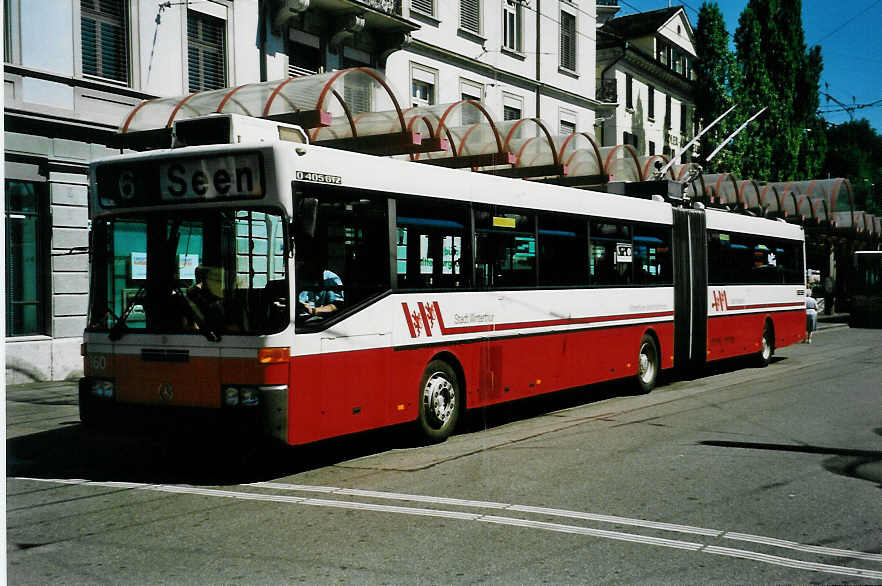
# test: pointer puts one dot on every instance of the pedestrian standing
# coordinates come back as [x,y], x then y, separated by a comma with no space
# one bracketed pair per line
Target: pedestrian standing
[811,318]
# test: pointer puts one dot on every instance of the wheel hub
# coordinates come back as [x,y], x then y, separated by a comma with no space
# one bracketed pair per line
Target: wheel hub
[439,399]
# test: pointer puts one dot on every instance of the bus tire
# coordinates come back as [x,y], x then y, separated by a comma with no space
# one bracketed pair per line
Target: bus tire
[648,364]
[92,414]
[440,401]
[767,347]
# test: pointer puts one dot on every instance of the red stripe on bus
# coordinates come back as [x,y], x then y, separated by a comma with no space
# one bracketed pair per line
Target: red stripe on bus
[548,323]
[765,305]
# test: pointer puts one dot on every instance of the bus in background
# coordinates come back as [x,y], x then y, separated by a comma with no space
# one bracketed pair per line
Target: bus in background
[320,292]
[865,290]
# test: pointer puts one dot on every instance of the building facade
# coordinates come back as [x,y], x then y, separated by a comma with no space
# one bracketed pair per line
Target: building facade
[73,70]
[645,64]
[520,59]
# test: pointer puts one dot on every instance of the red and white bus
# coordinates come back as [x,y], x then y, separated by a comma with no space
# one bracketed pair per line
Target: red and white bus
[326,292]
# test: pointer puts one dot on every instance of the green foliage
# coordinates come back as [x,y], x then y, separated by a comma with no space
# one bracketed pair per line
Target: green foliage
[773,69]
[754,92]
[855,152]
[716,78]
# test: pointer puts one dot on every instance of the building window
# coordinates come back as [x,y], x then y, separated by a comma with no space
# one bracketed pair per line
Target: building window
[567,127]
[651,147]
[357,89]
[567,41]
[684,117]
[422,85]
[25,258]
[423,93]
[104,34]
[206,51]
[423,6]
[471,91]
[651,102]
[304,53]
[629,92]
[511,25]
[470,15]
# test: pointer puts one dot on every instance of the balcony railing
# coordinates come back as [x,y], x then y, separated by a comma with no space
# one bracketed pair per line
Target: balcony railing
[387,6]
[608,3]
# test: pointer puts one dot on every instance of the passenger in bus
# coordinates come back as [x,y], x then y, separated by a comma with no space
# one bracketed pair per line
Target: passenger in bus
[323,301]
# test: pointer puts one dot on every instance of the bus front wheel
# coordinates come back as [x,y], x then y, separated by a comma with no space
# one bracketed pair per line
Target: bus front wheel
[648,364]
[440,401]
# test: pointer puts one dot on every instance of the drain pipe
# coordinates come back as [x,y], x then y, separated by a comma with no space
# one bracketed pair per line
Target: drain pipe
[538,60]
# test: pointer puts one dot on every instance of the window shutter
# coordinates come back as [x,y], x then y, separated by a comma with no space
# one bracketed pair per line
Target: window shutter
[470,15]
[103,29]
[424,6]
[206,51]
[568,41]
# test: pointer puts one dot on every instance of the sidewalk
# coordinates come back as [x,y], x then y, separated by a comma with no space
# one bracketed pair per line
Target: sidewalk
[834,320]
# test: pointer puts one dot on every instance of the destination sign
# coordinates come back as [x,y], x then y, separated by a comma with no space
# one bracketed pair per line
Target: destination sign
[181,180]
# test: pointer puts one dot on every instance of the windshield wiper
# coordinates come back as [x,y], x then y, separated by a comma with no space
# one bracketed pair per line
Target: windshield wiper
[119,328]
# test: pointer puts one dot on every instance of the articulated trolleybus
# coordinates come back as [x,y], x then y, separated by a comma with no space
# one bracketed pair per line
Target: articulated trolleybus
[323,292]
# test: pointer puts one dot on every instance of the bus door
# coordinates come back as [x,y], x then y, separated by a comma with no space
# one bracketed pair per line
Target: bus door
[690,287]
[505,267]
[342,271]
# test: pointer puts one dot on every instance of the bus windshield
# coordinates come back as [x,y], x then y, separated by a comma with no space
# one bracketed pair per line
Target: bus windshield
[867,277]
[211,272]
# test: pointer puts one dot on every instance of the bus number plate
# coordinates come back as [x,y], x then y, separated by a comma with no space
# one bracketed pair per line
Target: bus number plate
[318,178]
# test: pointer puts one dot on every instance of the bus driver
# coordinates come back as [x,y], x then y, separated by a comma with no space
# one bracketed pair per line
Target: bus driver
[325,301]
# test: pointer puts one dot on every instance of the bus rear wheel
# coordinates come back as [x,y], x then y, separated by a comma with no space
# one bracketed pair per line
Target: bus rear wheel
[440,401]
[648,364]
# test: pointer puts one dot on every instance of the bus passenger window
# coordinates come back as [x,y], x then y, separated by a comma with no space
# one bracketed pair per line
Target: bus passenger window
[563,250]
[431,249]
[610,267]
[652,255]
[506,248]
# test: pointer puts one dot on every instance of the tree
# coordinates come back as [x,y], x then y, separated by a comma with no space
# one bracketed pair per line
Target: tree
[754,92]
[788,142]
[855,152]
[716,77]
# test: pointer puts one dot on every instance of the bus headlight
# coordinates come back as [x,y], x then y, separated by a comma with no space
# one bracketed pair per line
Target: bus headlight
[248,397]
[240,396]
[231,396]
[102,389]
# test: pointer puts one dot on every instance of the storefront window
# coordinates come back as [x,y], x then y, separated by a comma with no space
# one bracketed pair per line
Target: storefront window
[25,263]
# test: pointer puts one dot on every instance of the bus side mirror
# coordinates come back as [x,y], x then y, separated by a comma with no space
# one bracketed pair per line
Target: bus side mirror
[307,216]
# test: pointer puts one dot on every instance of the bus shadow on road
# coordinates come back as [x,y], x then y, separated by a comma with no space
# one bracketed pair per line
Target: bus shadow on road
[215,456]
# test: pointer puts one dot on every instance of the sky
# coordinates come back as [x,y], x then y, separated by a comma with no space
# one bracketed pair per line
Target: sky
[850,35]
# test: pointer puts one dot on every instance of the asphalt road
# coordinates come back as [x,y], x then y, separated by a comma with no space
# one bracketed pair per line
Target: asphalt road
[737,475]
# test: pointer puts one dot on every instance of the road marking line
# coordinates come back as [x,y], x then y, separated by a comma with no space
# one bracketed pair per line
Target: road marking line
[557,527]
[791,563]
[491,505]
[802,547]
[459,515]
